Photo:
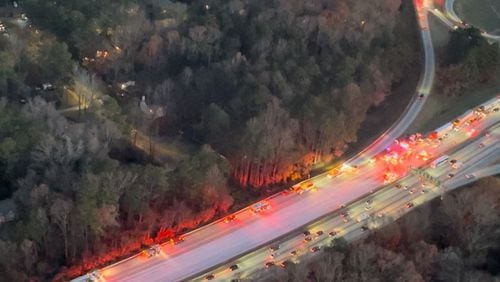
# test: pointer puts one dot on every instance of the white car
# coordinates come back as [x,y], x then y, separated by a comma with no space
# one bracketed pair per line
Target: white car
[470,176]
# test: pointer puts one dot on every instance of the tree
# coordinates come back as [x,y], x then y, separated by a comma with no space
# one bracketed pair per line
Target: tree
[46,61]
[60,215]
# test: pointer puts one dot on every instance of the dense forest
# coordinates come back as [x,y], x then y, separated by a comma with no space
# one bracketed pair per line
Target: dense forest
[456,239]
[257,90]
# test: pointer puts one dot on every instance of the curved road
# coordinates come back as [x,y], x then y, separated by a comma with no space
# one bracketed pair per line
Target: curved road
[452,20]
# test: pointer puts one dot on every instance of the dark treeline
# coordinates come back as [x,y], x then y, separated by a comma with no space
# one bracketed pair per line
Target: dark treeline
[258,90]
[457,239]
[469,59]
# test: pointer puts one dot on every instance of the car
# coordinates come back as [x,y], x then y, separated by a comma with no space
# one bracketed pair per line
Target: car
[305,186]
[152,251]
[368,207]
[319,233]
[269,264]
[209,277]
[470,176]
[315,249]
[344,214]
[286,263]
[495,110]
[398,186]
[306,233]
[95,275]
[369,201]
[406,187]
[450,175]
[177,240]
[481,145]
[421,96]
[341,206]
[409,205]
[364,216]
[423,191]
[233,267]
[229,218]
[453,161]
[412,191]
[334,172]
[307,239]
[23,101]
[456,164]
[274,248]
[380,215]
[364,228]
[333,233]
[293,253]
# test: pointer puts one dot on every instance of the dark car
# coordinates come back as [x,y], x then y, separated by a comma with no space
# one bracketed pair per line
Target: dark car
[209,277]
[319,233]
[307,239]
[269,264]
[314,249]
[293,253]
[286,263]
[274,248]
[421,96]
[333,233]
[364,228]
[307,233]
[233,267]
[344,214]
[409,205]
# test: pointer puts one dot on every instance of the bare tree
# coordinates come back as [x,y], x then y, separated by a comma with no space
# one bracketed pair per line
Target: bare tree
[59,214]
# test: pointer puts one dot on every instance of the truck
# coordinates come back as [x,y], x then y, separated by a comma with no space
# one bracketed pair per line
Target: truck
[260,206]
[439,161]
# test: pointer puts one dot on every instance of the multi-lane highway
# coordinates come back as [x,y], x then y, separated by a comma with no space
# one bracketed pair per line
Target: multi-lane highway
[382,207]
[220,243]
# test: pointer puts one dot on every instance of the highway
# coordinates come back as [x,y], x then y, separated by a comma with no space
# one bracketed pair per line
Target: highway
[386,205]
[219,243]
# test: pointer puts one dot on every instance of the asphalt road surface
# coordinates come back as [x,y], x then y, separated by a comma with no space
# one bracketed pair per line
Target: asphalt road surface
[220,242]
[386,205]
